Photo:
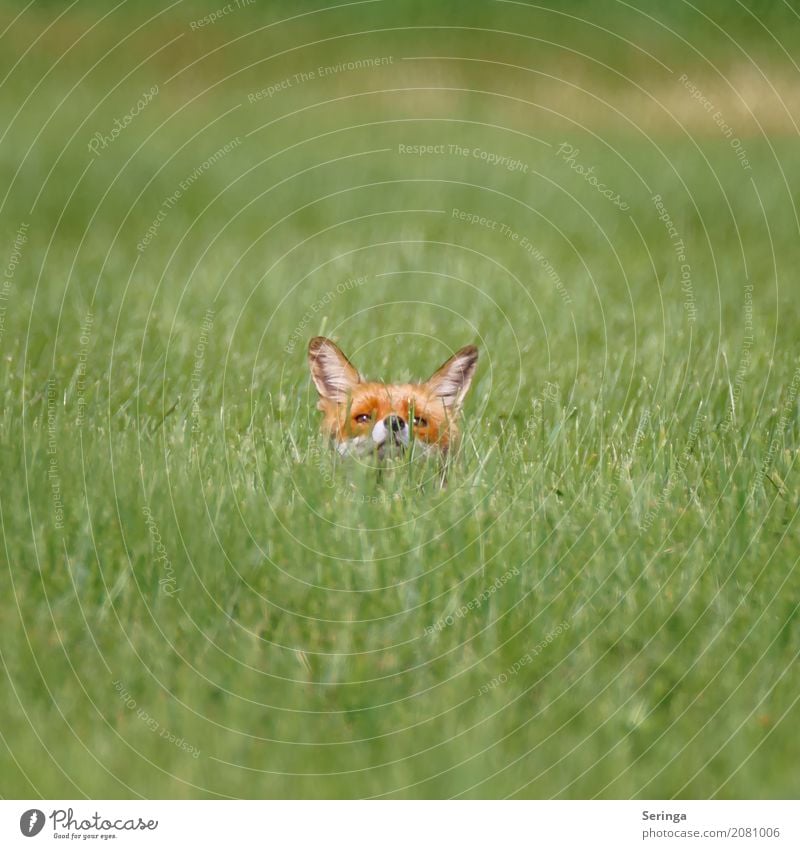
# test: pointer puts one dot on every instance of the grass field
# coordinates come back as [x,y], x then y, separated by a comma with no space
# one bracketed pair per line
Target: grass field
[197,601]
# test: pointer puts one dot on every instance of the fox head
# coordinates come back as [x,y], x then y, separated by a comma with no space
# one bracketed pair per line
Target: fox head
[364,417]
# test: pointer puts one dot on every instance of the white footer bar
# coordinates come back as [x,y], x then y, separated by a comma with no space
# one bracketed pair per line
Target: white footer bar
[402,824]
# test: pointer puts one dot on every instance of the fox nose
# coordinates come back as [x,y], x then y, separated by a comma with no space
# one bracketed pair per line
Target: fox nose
[393,423]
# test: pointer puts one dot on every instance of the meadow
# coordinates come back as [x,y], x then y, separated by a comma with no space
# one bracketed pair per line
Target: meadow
[198,600]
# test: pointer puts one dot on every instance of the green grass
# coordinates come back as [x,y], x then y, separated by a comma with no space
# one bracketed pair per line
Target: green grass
[624,503]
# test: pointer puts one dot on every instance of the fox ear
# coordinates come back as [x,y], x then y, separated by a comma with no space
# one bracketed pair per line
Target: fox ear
[331,371]
[451,381]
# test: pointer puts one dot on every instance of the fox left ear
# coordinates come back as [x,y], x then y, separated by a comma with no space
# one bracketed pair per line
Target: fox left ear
[333,374]
[451,380]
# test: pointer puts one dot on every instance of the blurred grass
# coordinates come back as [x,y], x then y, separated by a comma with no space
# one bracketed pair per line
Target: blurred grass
[603,460]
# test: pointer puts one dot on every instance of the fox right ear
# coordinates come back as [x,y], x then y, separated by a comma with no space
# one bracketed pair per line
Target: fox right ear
[451,380]
[332,373]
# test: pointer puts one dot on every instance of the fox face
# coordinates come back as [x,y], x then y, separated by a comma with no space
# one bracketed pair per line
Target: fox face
[367,418]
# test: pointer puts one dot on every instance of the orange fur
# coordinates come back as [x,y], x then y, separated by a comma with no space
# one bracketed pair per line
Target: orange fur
[431,408]
[380,400]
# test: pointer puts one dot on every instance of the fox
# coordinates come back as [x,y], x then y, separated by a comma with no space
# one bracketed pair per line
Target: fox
[367,418]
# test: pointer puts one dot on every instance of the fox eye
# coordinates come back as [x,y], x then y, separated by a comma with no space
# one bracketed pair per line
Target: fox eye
[362,418]
[420,422]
